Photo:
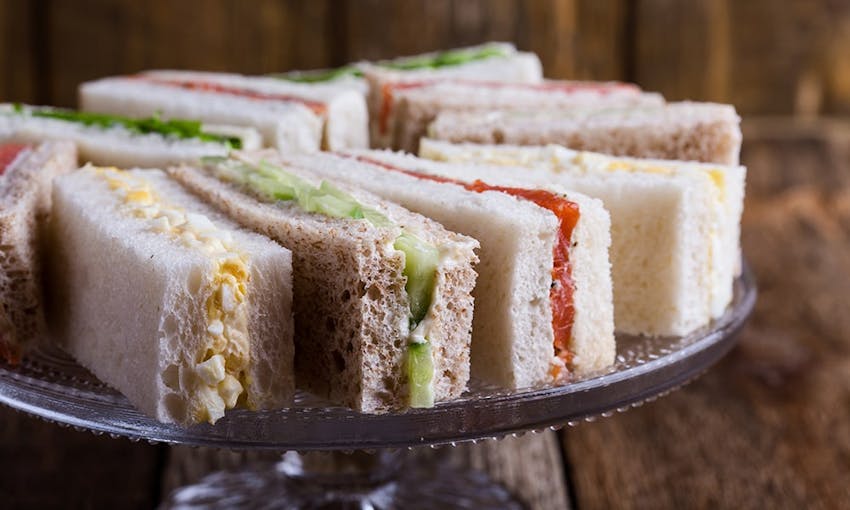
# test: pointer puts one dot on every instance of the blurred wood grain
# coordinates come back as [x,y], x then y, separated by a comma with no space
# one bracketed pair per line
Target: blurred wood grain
[762,58]
[19,56]
[93,38]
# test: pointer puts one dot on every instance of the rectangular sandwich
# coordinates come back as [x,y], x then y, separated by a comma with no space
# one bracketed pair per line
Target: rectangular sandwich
[401,110]
[543,305]
[685,131]
[491,61]
[675,226]
[383,303]
[26,173]
[290,116]
[168,301]
[123,141]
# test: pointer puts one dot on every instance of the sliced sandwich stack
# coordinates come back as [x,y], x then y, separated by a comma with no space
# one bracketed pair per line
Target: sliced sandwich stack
[264,247]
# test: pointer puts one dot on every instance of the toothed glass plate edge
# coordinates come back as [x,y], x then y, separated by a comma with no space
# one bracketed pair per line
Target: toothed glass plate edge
[50,385]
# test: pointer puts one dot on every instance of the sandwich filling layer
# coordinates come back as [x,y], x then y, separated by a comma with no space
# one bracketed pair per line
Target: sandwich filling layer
[561,160]
[563,287]
[9,152]
[421,259]
[449,58]
[174,128]
[218,377]
[389,89]
[318,107]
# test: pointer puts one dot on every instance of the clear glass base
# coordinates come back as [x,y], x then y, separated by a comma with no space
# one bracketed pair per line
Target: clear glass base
[349,481]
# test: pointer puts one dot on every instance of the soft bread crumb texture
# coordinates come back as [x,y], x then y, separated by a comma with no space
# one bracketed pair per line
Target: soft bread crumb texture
[512,342]
[145,336]
[666,225]
[520,67]
[350,306]
[683,131]
[512,333]
[25,206]
[285,125]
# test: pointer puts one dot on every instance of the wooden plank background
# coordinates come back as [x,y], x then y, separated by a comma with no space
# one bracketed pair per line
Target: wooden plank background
[762,58]
[767,428]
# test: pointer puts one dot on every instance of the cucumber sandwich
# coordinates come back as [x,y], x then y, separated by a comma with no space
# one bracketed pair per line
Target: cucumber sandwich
[26,173]
[124,141]
[675,226]
[494,60]
[543,302]
[168,301]
[382,296]
[290,116]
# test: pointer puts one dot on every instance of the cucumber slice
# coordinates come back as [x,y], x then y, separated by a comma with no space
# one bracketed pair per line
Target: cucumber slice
[271,187]
[420,268]
[420,374]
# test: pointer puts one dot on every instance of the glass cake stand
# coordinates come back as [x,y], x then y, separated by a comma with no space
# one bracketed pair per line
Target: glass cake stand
[363,461]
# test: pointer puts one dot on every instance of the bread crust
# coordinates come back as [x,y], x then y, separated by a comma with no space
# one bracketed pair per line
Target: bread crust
[351,310]
[285,125]
[683,131]
[674,238]
[512,336]
[131,302]
[412,110]
[24,210]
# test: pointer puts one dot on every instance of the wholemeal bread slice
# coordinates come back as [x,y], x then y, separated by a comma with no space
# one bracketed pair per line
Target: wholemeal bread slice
[513,326]
[354,342]
[168,301]
[406,108]
[674,225]
[344,112]
[283,122]
[684,131]
[124,142]
[26,172]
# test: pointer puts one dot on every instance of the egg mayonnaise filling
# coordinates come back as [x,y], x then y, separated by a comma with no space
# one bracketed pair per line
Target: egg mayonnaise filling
[218,377]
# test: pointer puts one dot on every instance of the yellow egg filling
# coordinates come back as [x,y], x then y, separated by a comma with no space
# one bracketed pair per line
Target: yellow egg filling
[219,375]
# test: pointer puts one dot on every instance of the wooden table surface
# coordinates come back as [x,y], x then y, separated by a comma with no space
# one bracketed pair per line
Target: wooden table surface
[768,427]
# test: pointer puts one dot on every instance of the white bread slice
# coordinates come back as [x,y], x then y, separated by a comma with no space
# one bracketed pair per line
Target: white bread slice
[406,109]
[674,248]
[24,210]
[684,131]
[132,299]
[346,118]
[727,184]
[512,341]
[117,145]
[283,124]
[351,309]
[504,63]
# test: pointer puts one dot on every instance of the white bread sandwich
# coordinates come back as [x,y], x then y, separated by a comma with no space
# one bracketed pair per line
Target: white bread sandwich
[122,141]
[168,301]
[492,61]
[543,305]
[383,304]
[401,110]
[344,112]
[290,116]
[685,131]
[26,172]
[675,226]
